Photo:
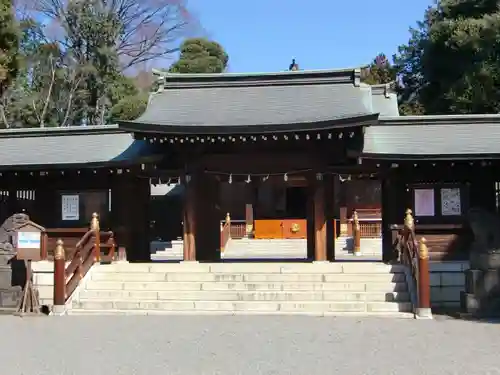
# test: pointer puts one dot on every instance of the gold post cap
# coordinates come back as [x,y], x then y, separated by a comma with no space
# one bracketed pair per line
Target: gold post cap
[59,250]
[423,251]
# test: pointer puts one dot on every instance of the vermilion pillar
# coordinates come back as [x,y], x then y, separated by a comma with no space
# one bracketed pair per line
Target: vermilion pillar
[189,219]
[320,253]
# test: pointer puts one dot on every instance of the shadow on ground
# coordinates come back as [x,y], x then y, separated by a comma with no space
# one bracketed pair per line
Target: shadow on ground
[457,314]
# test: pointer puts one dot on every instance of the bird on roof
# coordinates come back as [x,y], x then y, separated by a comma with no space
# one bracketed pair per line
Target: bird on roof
[293,66]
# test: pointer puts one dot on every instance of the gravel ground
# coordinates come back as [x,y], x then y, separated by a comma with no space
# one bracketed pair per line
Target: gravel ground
[187,345]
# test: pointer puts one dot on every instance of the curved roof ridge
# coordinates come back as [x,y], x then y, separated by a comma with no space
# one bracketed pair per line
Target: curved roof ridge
[179,80]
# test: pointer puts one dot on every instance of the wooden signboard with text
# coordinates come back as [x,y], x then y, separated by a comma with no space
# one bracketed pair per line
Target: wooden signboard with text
[28,241]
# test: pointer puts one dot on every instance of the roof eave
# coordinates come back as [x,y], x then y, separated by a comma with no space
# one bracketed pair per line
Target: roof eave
[83,166]
[346,122]
[427,157]
[60,131]
[439,119]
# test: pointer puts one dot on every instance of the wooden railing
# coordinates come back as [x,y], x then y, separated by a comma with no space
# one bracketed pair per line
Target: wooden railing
[369,227]
[225,232]
[238,229]
[71,266]
[356,234]
[415,256]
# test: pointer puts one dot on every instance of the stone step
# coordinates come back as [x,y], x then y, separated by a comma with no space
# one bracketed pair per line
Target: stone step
[232,295]
[387,314]
[313,307]
[251,278]
[244,286]
[250,267]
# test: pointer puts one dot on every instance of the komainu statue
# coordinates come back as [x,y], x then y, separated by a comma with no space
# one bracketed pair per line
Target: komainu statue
[12,271]
[482,286]
[485,227]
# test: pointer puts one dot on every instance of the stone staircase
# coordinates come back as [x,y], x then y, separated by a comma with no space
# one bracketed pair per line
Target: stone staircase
[270,249]
[370,247]
[349,288]
[166,250]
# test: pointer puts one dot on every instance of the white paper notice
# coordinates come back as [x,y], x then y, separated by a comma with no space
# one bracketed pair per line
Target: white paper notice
[70,207]
[450,202]
[424,202]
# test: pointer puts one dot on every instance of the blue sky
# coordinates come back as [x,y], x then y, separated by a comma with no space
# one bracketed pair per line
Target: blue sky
[264,35]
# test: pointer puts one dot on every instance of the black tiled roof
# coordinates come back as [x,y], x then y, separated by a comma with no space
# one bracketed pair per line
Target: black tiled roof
[69,146]
[255,100]
[436,136]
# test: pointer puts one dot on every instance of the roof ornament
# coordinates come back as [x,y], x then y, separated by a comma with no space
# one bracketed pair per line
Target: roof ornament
[293,66]
[160,78]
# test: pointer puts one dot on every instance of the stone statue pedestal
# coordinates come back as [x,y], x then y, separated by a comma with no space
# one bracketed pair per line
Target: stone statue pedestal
[482,292]
[10,293]
[12,271]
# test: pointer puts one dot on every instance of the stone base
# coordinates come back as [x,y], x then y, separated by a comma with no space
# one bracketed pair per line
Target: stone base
[9,298]
[59,310]
[423,313]
[482,283]
[476,307]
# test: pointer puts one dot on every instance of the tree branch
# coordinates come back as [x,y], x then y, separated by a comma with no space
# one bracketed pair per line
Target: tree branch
[49,93]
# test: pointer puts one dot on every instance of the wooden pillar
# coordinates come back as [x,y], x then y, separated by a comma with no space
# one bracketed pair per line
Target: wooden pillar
[393,198]
[59,276]
[208,215]
[424,289]
[319,220]
[130,201]
[249,209]
[141,240]
[356,234]
[122,211]
[387,241]
[311,236]
[345,229]
[331,232]
[189,218]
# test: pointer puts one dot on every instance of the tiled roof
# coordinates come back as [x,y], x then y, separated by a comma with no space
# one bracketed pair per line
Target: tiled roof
[438,136]
[255,100]
[83,146]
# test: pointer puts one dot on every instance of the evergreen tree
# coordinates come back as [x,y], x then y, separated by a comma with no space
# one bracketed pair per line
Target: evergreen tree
[200,55]
[451,64]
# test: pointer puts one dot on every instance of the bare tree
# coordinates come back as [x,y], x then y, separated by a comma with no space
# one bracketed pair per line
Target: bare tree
[46,101]
[147,29]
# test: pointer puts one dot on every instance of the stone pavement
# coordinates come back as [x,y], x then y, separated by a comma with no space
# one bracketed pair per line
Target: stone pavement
[246,345]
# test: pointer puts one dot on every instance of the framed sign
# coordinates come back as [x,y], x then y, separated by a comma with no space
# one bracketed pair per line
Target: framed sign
[451,203]
[70,207]
[28,241]
[424,202]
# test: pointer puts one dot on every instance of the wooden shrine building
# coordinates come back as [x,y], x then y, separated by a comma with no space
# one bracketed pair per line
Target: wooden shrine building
[60,176]
[292,128]
[229,138]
